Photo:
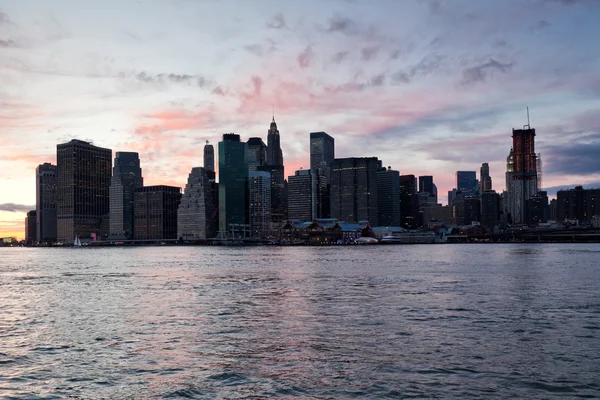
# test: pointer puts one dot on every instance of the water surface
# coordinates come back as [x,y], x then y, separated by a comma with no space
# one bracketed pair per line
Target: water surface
[462,321]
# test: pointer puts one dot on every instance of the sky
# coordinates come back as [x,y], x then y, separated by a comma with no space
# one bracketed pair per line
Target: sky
[428,86]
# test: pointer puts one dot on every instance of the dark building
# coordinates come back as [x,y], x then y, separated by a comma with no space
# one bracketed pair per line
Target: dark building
[578,204]
[472,211]
[127,176]
[82,190]
[197,216]
[553,209]
[426,184]
[308,195]
[30,227]
[388,197]
[409,202]
[209,157]
[322,150]
[524,177]
[485,178]
[490,209]
[466,181]
[257,153]
[354,189]
[155,212]
[274,154]
[538,208]
[274,166]
[233,177]
[45,203]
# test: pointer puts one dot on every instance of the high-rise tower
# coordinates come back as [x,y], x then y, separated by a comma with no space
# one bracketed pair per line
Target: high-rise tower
[274,167]
[233,179]
[45,204]
[274,154]
[524,178]
[82,190]
[209,157]
[127,176]
[485,178]
[322,150]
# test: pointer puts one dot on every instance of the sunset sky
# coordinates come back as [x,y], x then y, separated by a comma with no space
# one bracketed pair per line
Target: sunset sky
[428,86]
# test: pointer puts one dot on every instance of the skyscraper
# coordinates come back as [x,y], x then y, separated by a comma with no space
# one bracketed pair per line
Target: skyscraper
[196,215]
[233,178]
[466,181]
[257,153]
[82,194]
[274,154]
[209,157]
[30,227]
[354,189]
[388,197]
[274,167]
[45,203]
[409,204]
[155,212]
[524,178]
[426,185]
[485,178]
[308,195]
[490,209]
[322,150]
[259,203]
[127,176]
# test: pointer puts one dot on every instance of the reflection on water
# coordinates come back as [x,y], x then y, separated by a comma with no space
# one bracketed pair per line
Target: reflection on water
[373,322]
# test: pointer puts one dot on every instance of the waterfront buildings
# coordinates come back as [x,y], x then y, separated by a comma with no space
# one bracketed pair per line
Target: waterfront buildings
[259,203]
[45,203]
[127,176]
[233,178]
[257,153]
[472,212]
[485,180]
[353,189]
[466,181]
[388,197]
[209,157]
[82,194]
[155,212]
[322,150]
[30,227]
[490,209]
[577,204]
[197,212]
[538,208]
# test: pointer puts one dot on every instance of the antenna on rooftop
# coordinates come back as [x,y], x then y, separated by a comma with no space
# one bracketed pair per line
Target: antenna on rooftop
[528,123]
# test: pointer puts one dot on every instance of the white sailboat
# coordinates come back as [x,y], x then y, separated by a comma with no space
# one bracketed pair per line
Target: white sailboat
[77,242]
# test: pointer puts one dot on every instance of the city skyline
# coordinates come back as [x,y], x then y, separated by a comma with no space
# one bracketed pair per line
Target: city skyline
[424,101]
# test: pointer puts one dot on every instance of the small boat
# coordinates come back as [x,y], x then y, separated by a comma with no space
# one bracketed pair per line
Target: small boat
[77,242]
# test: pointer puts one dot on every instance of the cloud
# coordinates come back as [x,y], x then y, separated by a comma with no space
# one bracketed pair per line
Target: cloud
[277,22]
[219,91]
[162,78]
[259,49]
[482,72]
[378,80]
[12,207]
[339,56]
[349,27]
[305,57]
[426,66]
[8,43]
[368,53]
[4,19]
[574,158]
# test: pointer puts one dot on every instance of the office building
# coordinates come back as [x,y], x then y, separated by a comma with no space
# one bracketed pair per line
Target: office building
[308,195]
[485,183]
[388,197]
[259,203]
[155,212]
[82,190]
[466,181]
[233,180]
[490,209]
[353,189]
[127,176]
[472,212]
[45,203]
[197,212]
[322,150]
[257,153]
[209,157]
[274,167]
[409,202]
[538,208]
[30,227]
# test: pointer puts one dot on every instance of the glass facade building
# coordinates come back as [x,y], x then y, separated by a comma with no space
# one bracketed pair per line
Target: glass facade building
[259,203]
[388,197]
[82,190]
[45,203]
[127,176]
[322,150]
[466,182]
[257,153]
[233,178]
